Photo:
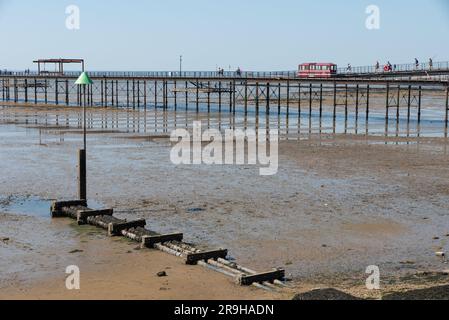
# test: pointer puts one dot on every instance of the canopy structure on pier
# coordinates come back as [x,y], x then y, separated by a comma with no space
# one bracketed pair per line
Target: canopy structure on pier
[58,63]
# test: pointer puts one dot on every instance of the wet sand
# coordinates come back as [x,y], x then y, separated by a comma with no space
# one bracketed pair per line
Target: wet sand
[338,204]
[35,257]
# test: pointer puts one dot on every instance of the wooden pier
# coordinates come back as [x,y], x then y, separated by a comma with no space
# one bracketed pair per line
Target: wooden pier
[230,94]
[169,243]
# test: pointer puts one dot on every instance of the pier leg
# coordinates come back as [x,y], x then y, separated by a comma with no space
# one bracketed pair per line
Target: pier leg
[310,99]
[26,90]
[155,94]
[187,95]
[267,110]
[447,106]
[145,94]
[246,98]
[127,93]
[321,101]
[257,99]
[367,102]
[197,96]
[219,96]
[35,91]
[387,102]
[419,104]
[138,94]
[357,89]
[134,94]
[288,98]
[230,98]
[208,96]
[102,86]
[279,98]
[335,101]
[398,104]
[176,95]
[346,102]
[67,102]
[409,103]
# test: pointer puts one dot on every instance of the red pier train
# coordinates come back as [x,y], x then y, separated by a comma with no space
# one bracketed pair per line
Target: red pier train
[317,70]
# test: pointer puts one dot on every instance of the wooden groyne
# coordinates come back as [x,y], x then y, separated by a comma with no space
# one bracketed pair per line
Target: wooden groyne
[169,243]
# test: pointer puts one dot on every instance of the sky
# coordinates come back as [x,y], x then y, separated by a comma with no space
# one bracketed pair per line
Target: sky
[251,34]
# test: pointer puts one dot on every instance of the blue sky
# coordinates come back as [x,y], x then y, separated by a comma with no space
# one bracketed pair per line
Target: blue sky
[252,34]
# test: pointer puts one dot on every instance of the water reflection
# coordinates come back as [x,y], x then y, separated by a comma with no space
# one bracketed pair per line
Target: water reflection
[290,123]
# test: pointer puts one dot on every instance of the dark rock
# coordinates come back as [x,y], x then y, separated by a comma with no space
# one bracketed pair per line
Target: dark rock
[162,274]
[76,251]
[325,294]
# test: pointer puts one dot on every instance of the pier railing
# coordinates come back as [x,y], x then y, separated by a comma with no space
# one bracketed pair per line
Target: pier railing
[368,71]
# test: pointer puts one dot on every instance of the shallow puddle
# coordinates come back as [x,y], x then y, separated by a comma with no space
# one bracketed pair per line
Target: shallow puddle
[31,206]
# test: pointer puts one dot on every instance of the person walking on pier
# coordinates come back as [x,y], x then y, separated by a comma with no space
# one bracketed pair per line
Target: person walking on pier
[239,72]
[430,64]
[377,66]
[349,68]
[416,63]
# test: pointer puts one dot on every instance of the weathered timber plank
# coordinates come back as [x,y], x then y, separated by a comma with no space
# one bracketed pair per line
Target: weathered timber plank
[150,241]
[117,228]
[261,277]
[83,215]
[193,258]
[57,206]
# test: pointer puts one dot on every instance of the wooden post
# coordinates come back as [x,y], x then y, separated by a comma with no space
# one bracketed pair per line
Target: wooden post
[82,181]
[299,100]
[67,102]
[56,91]
[288,97]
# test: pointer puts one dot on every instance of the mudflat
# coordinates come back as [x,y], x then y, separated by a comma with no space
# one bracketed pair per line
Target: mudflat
[338,204]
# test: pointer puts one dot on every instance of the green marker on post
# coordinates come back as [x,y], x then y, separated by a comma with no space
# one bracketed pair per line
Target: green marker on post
[83,80]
